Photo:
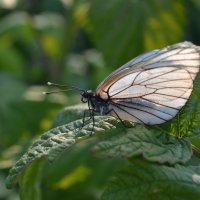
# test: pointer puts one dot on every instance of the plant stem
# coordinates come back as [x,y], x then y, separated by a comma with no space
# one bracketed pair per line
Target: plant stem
[195,150]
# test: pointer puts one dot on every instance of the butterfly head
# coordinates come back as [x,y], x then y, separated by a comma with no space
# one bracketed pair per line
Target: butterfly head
[95,102]
[87,96]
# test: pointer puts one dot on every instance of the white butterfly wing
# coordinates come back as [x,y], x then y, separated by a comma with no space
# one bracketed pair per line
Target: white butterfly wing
[153,87]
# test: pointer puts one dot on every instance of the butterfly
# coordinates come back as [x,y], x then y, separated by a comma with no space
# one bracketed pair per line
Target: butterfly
[149,89]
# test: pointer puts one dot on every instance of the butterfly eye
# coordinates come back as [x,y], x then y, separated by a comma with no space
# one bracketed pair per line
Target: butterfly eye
[84,100]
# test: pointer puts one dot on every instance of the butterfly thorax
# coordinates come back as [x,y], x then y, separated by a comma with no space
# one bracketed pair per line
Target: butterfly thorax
[95,102]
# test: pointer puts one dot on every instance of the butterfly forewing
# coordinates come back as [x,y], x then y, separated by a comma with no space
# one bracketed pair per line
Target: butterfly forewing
[153,87]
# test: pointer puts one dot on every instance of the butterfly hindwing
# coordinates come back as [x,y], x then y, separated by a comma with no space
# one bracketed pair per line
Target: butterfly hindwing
[153,87]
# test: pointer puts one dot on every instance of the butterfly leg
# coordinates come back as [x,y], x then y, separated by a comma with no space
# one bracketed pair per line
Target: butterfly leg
[83,121]
[84,115]
[93,123]
[125,125]
[91,116]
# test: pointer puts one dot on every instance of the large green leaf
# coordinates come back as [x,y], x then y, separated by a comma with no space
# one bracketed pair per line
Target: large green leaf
[78,170]
[29,182]
[187,122]
[145,181]
[55,141]
[152,144]
[69,114]
[123,29]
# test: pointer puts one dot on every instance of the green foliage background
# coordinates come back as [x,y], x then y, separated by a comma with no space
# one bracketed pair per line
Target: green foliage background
[79,42]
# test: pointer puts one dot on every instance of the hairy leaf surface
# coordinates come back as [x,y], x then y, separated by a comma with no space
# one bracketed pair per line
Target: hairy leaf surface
[152,144]
[145,181]
[55,141]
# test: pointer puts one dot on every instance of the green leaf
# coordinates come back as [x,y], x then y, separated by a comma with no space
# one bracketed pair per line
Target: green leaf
[152,144]
[16,104]
[11,61]
[69,114]
[190,117]
[29,182]
[145,181]
[67,170]
[55,141]
[187,122]
[122,29]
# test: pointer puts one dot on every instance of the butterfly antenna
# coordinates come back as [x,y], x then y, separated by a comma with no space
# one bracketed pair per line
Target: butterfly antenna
[52,92]
[55,84]
[60,85]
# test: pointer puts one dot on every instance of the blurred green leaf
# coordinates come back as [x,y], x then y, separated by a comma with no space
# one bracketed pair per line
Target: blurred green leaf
[152,144]
[123,29]
[50,28]
[11,61]
[5,193]
[29,182]
[197,3]
[142,180]
[18,117]
[12,91]
[15,23]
